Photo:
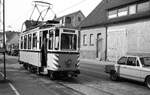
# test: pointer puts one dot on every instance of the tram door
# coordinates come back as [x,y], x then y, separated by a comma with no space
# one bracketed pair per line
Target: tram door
[44,48]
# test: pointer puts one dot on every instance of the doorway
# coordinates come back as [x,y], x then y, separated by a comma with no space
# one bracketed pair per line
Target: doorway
[44,48]
[99,46]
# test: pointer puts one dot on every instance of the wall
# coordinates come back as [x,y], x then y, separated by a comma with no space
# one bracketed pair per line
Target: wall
[136,37]
[90,51]
[116,43]
[77,22]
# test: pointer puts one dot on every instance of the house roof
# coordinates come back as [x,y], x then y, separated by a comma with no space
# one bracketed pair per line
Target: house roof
[99,15]
[71,14]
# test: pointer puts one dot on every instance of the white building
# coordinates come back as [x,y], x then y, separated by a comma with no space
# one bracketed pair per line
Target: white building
[115,28]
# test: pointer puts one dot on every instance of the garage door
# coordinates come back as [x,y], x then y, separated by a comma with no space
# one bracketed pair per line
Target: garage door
[116,44]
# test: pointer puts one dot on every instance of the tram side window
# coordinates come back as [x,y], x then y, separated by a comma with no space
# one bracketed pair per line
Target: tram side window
[50,40]
[57,39]
[68,41]
[40,40]
[25,42]
[21,42]
[34,40]
[29,41]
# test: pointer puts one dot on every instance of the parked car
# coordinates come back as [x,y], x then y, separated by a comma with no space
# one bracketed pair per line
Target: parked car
[131,67]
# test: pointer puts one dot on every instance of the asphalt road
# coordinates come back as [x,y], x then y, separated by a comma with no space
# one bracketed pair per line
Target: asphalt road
[92,81]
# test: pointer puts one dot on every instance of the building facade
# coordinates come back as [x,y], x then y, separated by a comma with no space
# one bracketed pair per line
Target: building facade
[124,28]
[71,20]
[92,43]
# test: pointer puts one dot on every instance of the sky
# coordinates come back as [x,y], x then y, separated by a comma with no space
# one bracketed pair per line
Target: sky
[17,11]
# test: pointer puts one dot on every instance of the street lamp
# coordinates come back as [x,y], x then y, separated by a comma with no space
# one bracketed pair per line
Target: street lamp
[4,46]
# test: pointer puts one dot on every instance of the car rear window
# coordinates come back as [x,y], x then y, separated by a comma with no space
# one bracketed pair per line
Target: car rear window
[145,61]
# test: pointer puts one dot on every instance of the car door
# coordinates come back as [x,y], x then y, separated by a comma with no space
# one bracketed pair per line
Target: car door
[122,66]
[132,69]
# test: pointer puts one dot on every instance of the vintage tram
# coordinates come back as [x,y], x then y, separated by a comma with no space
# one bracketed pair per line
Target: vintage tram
[50,49]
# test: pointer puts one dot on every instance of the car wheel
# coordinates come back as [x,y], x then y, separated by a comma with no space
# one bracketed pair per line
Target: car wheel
[147,81]
[114,76]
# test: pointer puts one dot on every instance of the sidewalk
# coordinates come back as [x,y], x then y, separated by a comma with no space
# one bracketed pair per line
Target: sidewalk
[7,56]
[92,61]
[5,88]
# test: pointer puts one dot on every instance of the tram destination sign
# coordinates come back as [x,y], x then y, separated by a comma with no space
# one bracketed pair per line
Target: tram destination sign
[70,31]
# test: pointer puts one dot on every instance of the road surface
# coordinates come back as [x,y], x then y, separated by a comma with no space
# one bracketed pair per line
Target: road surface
[92,81]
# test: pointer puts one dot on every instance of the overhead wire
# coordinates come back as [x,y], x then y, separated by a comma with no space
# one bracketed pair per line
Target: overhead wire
[74,5]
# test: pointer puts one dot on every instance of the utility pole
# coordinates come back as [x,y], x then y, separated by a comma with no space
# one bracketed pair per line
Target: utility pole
[4,46]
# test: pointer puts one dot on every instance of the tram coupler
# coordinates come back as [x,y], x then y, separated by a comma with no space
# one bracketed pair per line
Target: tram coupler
[77,71]
[73,73]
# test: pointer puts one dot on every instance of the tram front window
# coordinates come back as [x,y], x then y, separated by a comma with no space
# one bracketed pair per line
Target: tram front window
[68,42]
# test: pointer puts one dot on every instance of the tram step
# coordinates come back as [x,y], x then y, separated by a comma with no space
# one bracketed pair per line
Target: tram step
[43,73]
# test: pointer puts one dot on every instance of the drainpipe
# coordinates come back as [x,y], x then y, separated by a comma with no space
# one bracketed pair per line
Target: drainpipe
[106,43]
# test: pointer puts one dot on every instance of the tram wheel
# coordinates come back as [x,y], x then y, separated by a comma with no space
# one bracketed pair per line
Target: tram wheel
[52,75]
[25,66]
[38,72]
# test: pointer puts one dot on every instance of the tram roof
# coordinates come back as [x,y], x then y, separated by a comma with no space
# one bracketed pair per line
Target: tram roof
[33,25]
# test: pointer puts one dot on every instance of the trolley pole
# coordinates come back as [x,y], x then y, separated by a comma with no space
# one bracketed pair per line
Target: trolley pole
[4,46]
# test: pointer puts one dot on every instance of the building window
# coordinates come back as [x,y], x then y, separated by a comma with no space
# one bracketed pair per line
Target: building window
[129,10]
[25,42]
[112,14]
[68,20]
[85,40]
[142,7]
[34,40]
[79,19]
[123,11]
[29,41]
[91,39]
[132,9]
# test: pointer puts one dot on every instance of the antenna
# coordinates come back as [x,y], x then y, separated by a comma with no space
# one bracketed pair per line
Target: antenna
[46,7]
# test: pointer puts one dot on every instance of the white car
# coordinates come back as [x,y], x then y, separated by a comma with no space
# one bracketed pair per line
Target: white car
[131,67]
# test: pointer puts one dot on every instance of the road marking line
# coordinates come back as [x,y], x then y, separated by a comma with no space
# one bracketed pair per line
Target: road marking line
[12,87]
[2,74]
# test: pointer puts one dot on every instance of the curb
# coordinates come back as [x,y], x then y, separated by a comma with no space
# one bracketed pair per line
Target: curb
[92,61]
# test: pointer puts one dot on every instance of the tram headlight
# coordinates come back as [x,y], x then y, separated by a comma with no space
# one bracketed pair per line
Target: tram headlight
[77,65]
[68,63]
